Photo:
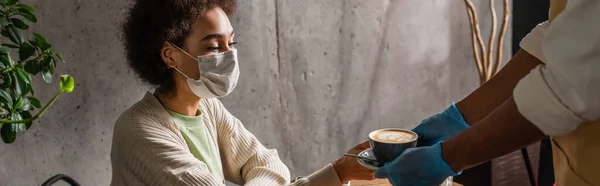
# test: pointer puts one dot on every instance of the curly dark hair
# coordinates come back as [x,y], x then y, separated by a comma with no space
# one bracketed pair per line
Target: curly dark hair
[149,23]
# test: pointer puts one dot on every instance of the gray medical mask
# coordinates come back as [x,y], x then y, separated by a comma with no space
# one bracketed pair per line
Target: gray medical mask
[219,74]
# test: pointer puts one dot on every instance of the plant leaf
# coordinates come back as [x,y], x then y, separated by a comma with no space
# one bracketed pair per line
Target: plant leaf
[46,75]
[50,62]
[26,51]
[27,15]
[22,71]
[41,41]
[22,74]
[10,45]
[4,32]
[18,126]
[14,95]
[7,81]
[4,21]
[20,84]
[3,2]
[5,59]
[46,61]
[27,115]
[26,7]
[16,82]
[67,83]
[8,134]
[54,61]
[32,42]
[5,98]
[19,24]
[25,104]
[30,89]
[59,57]
[19,103]
[51,67]
[33,67]
[12,2]
[15,35]
[34,102]
[4,50]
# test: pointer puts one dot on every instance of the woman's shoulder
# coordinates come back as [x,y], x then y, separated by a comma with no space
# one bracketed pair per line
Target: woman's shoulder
[143,123]
[211,106]
[210,102]
[141,109]
[141,115]
[214,111]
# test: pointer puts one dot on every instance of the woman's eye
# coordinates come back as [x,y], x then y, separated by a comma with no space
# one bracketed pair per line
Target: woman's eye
[217,48]
[214,49]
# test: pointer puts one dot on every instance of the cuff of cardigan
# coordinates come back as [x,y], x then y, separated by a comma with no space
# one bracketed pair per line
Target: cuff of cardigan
[326,176]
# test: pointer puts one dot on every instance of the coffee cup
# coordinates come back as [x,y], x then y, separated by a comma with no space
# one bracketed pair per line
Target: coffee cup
[388,144]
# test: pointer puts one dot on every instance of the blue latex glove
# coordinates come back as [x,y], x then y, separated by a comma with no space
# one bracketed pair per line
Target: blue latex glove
[421,166]
[440,127]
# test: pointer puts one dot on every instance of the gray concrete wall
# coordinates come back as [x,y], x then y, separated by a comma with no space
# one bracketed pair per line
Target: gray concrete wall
[316,77]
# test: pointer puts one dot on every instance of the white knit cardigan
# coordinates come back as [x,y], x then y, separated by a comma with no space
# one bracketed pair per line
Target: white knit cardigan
[148,149]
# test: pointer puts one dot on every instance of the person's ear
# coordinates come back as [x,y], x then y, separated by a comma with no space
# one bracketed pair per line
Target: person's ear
[169,54]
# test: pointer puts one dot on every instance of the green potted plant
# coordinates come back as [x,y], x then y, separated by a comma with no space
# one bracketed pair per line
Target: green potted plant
[33,56]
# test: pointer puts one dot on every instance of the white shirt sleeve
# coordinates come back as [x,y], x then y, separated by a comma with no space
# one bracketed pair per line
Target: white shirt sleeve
[565,91]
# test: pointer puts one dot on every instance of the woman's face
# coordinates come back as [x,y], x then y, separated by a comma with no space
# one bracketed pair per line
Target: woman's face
[210,34]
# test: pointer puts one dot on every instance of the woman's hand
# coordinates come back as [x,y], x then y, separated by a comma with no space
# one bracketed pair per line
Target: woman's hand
[348,168]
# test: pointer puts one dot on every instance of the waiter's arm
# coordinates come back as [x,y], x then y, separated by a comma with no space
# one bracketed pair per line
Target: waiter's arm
[501,132]
[498,89]
[565,92]
[552,99]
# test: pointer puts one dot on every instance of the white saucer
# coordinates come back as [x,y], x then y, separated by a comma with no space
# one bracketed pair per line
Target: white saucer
[369,155]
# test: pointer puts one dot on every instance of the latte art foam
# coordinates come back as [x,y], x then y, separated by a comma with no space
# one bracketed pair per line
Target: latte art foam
[391,136]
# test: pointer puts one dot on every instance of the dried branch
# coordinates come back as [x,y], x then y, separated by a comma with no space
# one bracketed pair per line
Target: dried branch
[480,45]
[501,38]
[489,65]
[475,47]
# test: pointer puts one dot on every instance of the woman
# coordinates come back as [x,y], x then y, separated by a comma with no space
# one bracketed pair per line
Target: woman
[182,134]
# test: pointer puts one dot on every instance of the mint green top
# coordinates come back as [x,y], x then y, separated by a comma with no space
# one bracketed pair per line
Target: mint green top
[199,141]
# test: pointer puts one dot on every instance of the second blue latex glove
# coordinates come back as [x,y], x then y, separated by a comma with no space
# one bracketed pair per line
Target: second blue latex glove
[421,166]
[440,127]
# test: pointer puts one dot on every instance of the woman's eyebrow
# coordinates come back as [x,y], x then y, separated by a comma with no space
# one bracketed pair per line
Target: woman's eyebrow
[215,36]
[212,36]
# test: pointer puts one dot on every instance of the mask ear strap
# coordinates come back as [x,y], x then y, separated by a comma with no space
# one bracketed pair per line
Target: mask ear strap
[176,69]
[183,51]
